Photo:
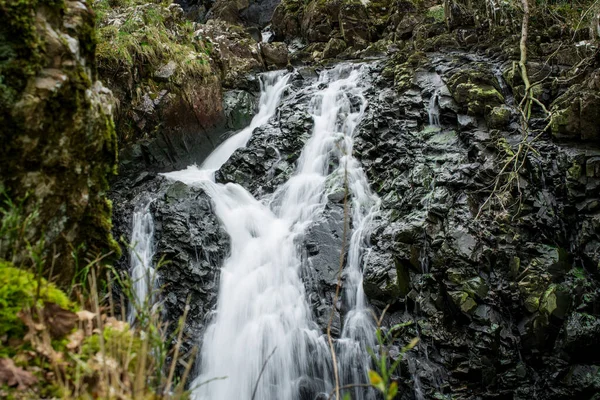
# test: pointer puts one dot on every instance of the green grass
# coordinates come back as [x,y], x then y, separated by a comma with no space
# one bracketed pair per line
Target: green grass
[437,13]
[146,41]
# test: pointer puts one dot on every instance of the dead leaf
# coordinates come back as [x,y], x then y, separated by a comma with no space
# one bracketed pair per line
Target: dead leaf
[85,315]
[26,317]
[58,320]
[39,336]
[12,375]
[75,339]
[112,322]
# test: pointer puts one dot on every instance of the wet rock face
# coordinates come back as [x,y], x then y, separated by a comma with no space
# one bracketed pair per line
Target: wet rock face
[239,107]
[189,247]
[495,299]
[504,298]
[271,154]
[58,138]
[193,245]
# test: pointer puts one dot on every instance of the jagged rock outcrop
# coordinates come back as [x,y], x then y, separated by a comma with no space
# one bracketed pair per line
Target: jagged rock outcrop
[59,143]
[481,284]
[189,248]
[169,75]
[193,245]
[503,293]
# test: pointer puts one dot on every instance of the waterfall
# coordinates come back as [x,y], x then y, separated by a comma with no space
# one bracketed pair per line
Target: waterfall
[140,256]
[434,109]
[263,338]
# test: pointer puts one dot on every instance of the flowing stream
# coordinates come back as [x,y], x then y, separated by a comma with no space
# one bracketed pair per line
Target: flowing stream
[263,338]
[141,253]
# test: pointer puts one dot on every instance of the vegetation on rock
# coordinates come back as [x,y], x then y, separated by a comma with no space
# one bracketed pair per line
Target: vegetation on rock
[51,347]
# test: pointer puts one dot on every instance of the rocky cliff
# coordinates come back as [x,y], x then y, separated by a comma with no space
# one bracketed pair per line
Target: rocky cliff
[59,143]
[486,247]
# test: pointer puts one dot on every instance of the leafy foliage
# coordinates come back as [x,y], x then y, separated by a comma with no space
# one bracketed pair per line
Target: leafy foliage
[382,378]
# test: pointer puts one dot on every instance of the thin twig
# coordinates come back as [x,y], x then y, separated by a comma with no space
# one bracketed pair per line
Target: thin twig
[338,287]
[261,372]
[178,344]
[350,386]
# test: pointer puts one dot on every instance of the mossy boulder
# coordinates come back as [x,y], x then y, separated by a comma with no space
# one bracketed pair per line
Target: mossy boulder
[498,117]
[275,54]
[444,41]
[464,301]
[354,24]
[539,274]
[576,115]
[319,20]
[402,68]
[59,143]
[476,90]
[21,289]
[287,18]
[334,47]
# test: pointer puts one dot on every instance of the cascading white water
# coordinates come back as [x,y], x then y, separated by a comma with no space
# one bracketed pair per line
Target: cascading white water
[358,328]
[434,109]
[263,338]
[273,84]
[140,256]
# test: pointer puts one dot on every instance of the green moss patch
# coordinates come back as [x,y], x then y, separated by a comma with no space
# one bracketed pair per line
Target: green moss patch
[20,289]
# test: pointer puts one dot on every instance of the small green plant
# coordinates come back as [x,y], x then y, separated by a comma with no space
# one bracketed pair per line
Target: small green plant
[381,378]
[15,230]
[437,13]
[54,347]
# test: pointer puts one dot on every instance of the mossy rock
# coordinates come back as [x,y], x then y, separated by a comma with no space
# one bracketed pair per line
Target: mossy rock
[403,67]
[476,288]
[287,19]
[21,289]
[463,301]
[334,47]
[354,24]
[444,41]
[575,115]
[476,90]
[555,301]
[498,117]
[22,47]
[55,115]
[319,19]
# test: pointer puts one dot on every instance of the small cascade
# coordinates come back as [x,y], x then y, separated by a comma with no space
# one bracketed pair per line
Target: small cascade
[263,337]
[273,84]
[267,35]
[142,273]
[434,109]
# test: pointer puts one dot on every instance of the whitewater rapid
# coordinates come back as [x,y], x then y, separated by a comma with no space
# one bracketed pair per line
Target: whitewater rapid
[263,339]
